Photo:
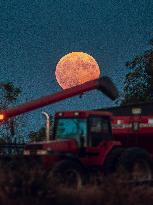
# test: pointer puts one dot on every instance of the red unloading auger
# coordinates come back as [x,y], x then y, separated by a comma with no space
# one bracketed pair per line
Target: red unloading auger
[103,84]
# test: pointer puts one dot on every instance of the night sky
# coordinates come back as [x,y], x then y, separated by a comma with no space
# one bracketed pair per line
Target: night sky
[35,34]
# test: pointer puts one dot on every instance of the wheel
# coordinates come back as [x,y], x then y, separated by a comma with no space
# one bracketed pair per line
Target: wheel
[68,173]
[136,165]
[111,163]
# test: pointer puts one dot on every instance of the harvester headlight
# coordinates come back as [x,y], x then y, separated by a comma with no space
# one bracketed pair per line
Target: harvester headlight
[26,152]
[76,113]
[136,111]
[150,121]
[42,152]
[119,122]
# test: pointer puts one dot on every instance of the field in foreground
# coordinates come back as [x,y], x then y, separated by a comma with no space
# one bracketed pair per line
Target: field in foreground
[22,185]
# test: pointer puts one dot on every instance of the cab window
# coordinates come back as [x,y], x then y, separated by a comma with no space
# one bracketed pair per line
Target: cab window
[99,129]
[71,128]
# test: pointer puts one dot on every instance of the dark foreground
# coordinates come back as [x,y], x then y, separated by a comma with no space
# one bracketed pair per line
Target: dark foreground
[26,185]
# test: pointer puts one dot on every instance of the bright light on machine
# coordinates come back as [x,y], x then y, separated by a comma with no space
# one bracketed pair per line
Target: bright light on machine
[119,122]
[136,111]
[2,117]
[42,152]
[150,121]
[26,152]
[76,114]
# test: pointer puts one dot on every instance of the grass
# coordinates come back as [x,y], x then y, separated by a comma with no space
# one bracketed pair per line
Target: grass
[21,185]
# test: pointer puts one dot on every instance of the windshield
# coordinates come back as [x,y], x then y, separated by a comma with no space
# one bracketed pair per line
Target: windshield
[67,128]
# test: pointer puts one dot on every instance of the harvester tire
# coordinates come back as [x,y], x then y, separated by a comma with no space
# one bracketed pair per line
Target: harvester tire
[112,160]
[137,165]
[68,173]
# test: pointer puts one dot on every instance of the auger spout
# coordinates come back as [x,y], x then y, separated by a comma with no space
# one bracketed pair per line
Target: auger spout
[103,84]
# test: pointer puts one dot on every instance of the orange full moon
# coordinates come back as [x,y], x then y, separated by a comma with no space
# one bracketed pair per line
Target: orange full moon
[76,68]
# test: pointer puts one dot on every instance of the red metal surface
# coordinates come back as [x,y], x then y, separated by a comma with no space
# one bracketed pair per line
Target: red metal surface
[55,148]
[103,84]
[95,155]
[123,131]
[125,124]
[103,149]
[69,145]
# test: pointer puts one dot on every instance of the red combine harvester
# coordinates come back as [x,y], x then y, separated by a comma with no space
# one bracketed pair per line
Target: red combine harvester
[133,125]
[82,140]
[134,131]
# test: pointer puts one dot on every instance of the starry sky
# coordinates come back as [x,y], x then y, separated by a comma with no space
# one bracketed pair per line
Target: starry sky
[35,34]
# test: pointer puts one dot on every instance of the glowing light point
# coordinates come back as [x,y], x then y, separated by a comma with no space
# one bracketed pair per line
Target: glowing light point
[2,117]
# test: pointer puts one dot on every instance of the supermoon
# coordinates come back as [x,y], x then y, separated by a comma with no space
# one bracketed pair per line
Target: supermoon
[76,68]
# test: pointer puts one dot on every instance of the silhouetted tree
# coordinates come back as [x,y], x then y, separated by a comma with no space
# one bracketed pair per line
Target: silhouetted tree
[9,94]
[138,85]
[39,135]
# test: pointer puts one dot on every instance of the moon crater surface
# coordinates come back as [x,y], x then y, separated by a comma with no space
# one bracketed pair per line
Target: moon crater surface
[76,68]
